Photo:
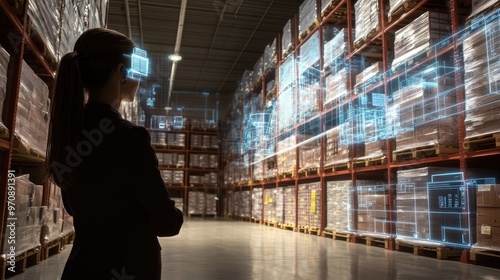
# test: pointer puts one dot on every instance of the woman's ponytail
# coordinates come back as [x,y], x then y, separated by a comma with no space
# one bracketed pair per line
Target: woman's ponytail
[66,116]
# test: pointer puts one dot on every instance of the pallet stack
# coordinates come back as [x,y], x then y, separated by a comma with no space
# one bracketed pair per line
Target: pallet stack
[367,14]
[339,206]
[257,204]
[290,214]
[4,62]
[269,205]
[308,17]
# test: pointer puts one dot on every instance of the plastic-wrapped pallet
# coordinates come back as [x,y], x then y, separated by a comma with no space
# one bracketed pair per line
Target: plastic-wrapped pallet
[178,177]
[32,120]
[423,114]
[303,205]
[270,205]
[286,153]
[213,161]
[196,203]
[67,224]
[196,141]
[482,86]
[280,205]
[309,54]
[420,36]
[334,50]
[258,72]
[45,19]
[308,17]
[287,42]
[479,6]
[339,205]
[308,106]
[328,5]
[4,63]
[309,155]
[369,76]
[336,89]
[205,144]
[286,109]
[246,200]
[167,176]
[367,16]
[373,205]
[336,152]
[194,180]
[290,213]
[270,57]
[54,220]
[257,203]
[211,204]
[412,204]
[258,168]
[371,121]
[315,205]
[214,142]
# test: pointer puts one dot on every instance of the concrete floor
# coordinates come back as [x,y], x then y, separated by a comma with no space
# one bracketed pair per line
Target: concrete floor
[225,249]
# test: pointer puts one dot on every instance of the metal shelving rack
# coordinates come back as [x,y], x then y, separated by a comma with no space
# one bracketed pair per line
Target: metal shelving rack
[464,160]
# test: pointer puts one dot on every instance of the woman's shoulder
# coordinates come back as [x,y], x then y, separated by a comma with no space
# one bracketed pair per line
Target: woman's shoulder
[133,131]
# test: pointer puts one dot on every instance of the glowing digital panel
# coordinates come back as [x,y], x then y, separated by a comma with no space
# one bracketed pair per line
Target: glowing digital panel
[139,64]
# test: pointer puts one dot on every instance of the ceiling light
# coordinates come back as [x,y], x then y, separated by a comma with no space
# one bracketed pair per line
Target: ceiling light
[175,57]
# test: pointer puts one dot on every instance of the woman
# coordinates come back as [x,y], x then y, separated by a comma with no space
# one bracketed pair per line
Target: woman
[105,165]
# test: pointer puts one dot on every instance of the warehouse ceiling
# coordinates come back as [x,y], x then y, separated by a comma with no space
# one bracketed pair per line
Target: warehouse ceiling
[220,40]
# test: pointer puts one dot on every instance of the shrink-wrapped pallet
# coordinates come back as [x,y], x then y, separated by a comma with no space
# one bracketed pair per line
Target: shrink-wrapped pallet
[246,201]
[328,5]
[334,51]
[269,205]
[308,17]
[336,151]
[339,205]
[308,103]
[45,20]
[482,81]
[369,76]
[257,203]
[4,63]
[287,39]
[336,89]
[290,209]
[309,155]
[373,208]
[421,37]
[309,205]
[479,6]
[286,150]
[270,57]
[286,109]
[367,19]
[280,205]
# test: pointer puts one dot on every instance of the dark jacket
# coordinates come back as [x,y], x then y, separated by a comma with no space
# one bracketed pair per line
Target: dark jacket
[118,200]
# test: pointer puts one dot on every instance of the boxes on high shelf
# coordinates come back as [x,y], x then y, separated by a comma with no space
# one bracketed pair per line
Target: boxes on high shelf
[481,61]
[421,35]
[367,16]
[479,6]
[336,87]
[270,57]
[334,49]
[4,63]
[287,41]
[308,17]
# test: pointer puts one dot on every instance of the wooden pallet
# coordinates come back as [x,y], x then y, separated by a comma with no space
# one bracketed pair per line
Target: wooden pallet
[42,46]
[23,152]
[288,226]
[314,231]
[338,167]
[487,257]
[22,261]
[51,248]
[270,223]
[482,142]
[286,175]
[4,132]
[339,235]
[255,220]
[366,162]
[329,7]
[378,241]
[308,31]
[308,172]
[424,249]
[405,7]
[423,152]
[68,238]
[358,43]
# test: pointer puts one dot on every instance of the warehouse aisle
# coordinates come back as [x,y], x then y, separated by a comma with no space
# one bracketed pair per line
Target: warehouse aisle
[232,250]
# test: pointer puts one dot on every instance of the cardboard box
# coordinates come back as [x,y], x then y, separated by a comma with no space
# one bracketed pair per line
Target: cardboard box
[488,196]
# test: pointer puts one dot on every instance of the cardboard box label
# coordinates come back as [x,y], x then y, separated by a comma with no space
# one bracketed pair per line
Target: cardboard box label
[485,229]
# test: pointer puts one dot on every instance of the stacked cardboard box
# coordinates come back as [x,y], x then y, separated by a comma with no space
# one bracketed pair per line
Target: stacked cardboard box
[289,197]
[287,41]
[28,215]
[423,114]
[202,124]
[369,76]
[32,120]
[286,150]
[336,152]
[257,203]
[335,49]
[196,203]
[309,155]
[481,62]
[367,16]
[412,201]
[339,205]
[246,199]
[204,161]
[421,35]
[4,63]
[169,159]
[270,57]
[308,16]
[373,204]
[336,89]
[231,203]
[308,103]
[309,205]
[479,6]
[270,205]
[280,205]
[488,216]
[45,19]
